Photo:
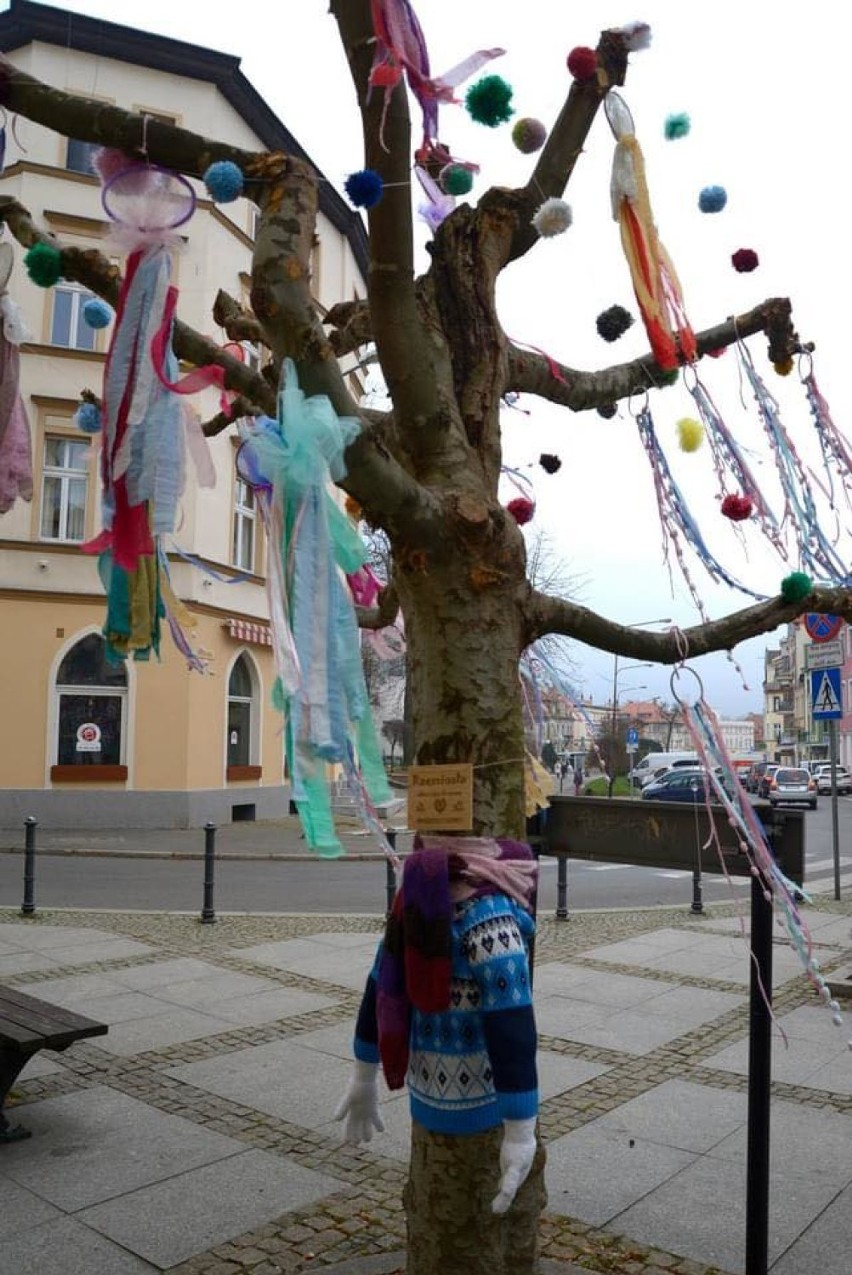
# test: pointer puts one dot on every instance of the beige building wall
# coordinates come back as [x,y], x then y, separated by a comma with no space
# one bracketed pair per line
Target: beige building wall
[174,768]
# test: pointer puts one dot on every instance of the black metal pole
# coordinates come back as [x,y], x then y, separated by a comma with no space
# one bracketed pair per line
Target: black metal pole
[562,888]
[759,1082]
[28,906]
[697,903]
[208,912]
[390,875]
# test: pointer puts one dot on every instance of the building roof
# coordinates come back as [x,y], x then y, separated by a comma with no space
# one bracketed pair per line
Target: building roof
[24,22]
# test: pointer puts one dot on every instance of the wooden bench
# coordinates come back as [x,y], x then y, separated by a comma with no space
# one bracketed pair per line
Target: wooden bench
[26,1026]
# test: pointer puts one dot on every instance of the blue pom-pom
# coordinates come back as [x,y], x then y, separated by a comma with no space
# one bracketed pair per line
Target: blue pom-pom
[712,199]
[224,181]
[88,418]
[364,188]
[97,313]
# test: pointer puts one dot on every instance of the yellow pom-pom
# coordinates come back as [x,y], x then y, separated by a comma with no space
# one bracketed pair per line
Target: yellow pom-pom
[690,434]
[353,509]
[784,368]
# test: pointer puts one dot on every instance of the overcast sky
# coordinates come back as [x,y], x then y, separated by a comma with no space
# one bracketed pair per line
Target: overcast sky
[762,85]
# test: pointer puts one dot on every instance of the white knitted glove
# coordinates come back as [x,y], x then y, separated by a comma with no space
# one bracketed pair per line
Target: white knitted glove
[516,1157]
[359,1106]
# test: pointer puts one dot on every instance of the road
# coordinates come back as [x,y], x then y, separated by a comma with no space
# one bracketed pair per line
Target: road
[347,885]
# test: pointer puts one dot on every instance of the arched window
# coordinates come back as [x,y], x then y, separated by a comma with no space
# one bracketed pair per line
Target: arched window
[242,714]
[91,712]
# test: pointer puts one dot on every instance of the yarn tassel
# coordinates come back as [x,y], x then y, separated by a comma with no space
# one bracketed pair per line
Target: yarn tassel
[816,553]
[676,519]
[655,282]
[835,448]
[16,467]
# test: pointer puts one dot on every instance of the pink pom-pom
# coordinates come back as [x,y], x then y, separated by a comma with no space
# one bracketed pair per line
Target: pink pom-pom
[583,63]
[737,508]
[716,354]
[521,509]
[107,161]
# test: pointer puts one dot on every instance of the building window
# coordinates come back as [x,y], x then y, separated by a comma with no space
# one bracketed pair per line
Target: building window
[68,327]
[241,714]
[78,156]
[92,695]
[64,484]
[244,523]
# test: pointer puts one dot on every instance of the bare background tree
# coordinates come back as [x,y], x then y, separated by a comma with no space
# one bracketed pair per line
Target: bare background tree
[426,472]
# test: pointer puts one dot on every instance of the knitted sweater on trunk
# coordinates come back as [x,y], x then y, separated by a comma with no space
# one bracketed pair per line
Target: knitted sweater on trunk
[472,1065]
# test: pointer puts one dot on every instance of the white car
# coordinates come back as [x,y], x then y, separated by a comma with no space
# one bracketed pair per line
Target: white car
[822,775]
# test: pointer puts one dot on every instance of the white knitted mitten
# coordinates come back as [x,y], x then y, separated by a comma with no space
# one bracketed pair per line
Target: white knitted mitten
[516,1156]
[359,1106]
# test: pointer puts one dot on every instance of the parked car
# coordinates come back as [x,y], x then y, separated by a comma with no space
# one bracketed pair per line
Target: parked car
[792,785]
[764,780]
[680,783]
[652,762]
[754,774]
[822,775]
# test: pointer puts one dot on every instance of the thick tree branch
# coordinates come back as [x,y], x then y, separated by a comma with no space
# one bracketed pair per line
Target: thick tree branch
[351,324]
[381,615]
[546,615]
[238,409]
[534,373]
[239,323]
[97,273]
[92,121]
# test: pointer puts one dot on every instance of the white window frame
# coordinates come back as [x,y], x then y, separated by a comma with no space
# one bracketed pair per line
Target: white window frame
[66,475]
[79,296]
[253,701]
[245,525]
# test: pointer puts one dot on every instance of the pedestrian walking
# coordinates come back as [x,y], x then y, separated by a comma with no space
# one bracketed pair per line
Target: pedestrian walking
[578,781]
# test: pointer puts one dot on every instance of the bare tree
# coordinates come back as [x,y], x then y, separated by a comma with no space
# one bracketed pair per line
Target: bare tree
[427,472]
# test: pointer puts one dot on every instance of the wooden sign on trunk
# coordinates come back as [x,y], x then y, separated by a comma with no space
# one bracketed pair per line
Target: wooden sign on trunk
[440,798]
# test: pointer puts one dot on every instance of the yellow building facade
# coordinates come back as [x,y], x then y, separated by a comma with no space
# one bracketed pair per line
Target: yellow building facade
[87,743]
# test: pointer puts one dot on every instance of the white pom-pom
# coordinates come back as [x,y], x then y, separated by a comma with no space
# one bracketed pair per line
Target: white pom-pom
[637,35]
[553,218]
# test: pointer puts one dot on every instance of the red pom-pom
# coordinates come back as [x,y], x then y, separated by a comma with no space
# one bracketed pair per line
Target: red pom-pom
[716,354]
[745,260]
[521,510]
[737,508]
[583,63]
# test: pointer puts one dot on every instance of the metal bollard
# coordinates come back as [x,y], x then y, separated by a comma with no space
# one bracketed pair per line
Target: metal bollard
[562,888]
[697,904]
[390,875]
[28,906]
[208,913]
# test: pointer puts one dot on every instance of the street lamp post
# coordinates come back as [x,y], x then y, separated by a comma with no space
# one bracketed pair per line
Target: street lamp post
[665,619]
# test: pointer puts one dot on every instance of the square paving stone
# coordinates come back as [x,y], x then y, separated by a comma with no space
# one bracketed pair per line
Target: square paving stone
[182,969]
[37,936]
[627,1031]
[793,1064]
[206,991]
[342,966]
[21,1210]
[95,1144]
[106,949]
[619,991]
[65,1247]
[172,1026]
[825,1244]
[18,962]
[282,1078]
[679,1114]
[172,1221]
[594,1174]
[266,1007]
[699,1213]
[804,1140]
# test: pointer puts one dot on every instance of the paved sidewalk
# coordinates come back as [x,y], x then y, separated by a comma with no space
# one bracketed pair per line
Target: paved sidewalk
[196,1138]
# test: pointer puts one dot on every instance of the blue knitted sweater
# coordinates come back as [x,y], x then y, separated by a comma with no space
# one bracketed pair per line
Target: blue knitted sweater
[473,1065]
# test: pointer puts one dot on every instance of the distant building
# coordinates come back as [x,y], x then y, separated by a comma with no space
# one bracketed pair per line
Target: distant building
[87,743]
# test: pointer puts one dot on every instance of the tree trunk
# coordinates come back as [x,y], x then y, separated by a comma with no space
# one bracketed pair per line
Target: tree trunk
[463,649]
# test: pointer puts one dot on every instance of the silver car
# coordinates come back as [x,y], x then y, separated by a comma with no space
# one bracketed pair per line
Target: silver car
[822,775]
[792,784]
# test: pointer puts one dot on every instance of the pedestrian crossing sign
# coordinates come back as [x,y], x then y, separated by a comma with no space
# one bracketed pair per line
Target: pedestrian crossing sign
[826,697]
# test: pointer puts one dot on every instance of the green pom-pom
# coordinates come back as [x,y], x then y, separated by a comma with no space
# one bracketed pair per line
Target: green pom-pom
[796,586]
[676,126]
[668,378]
[489,101]
[44,264]
[456,179]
